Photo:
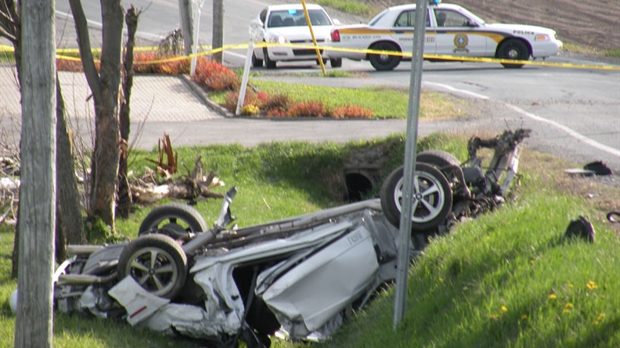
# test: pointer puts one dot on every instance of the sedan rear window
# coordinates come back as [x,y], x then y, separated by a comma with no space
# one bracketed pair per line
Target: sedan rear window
[297,18]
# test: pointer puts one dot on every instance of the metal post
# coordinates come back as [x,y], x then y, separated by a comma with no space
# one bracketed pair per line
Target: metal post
[316,48]
[256,34]
[196,33]
[410,158]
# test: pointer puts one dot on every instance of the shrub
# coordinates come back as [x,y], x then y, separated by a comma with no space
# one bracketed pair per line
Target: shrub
[231,99]
[351,111]
[71,65]
[153,63]
[310,109]
[215,77]
[276,103]
[250,110]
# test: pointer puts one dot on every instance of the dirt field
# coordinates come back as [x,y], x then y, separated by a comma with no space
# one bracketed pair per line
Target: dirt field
[593,24]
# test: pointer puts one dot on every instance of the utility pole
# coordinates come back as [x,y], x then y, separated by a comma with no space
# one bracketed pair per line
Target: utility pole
[218,29]
[37,196]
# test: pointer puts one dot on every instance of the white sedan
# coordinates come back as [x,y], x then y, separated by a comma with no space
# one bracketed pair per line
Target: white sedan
[287,24]
[450,30]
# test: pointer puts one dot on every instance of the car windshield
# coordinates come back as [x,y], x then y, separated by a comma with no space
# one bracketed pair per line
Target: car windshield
[472,16]
[297,18]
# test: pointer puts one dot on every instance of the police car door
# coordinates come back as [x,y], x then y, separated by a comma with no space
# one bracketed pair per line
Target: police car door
[454,35]
[402,32]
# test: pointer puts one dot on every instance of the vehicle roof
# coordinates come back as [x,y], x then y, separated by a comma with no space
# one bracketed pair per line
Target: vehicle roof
[298,6]
[412,6]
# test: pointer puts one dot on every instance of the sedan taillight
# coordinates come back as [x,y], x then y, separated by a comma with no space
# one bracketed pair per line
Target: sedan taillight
[335,35]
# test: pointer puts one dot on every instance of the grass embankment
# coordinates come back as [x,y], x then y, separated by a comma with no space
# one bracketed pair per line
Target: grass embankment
[384,102]
[505,279]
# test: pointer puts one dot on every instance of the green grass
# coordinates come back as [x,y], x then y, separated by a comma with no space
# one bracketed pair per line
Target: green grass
[385,102]
[615,53]
[505,280]
[486,284]
[352,7]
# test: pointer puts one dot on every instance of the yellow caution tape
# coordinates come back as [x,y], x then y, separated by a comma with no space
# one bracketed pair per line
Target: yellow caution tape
[208,51]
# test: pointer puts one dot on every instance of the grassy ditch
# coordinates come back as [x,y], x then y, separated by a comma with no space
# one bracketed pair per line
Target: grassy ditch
[505,279]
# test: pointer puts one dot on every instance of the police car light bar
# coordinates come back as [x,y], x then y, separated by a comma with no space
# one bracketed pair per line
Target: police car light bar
[434,2]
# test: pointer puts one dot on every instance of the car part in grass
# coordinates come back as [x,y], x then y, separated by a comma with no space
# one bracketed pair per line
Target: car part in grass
[432,197]
[179,221]
[156,262]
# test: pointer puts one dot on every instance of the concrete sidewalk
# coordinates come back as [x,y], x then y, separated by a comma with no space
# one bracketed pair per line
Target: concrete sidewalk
[154,97]
[175,106]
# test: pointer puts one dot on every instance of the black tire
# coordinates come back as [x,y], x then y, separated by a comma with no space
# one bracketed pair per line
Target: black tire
[157,263]
[434,200]
[442,160]
[269,64]
[174,215]
[335,62]
[513,49]
[384,62]
[256,63]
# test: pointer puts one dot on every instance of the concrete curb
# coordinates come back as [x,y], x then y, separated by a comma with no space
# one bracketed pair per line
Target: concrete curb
[202,95]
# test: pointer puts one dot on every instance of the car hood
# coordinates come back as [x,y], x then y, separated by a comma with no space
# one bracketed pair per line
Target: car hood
[521,29]
[300,33]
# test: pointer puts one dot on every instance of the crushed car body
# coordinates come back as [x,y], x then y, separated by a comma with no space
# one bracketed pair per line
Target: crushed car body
[301,275]
[259,279]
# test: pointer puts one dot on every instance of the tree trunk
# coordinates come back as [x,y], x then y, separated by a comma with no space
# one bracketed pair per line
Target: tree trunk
[10,28]
[218,29]
[187,27]
[71,228]
[37,209]
[124,194]
[104,85]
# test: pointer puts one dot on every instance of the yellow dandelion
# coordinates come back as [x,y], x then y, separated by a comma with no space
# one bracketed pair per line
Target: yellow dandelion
[591,285]
[569,305]
[552,297]
[504,309]
[524,317]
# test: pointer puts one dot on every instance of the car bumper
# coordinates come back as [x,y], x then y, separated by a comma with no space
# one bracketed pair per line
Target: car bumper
[290,53]
[346,52]
[546,49]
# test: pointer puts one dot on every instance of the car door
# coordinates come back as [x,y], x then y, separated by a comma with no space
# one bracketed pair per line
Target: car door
[455,36]
[402,32]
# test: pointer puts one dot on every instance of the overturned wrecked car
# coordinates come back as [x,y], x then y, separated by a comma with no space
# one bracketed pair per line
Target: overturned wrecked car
[300,276]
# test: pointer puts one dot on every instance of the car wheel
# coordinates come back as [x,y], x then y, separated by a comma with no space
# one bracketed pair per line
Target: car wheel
[432,193]
[256,63]
[335,62]
[269,64]
[513,49]
[156,262]
[173,216]
[446,162]
[383,62]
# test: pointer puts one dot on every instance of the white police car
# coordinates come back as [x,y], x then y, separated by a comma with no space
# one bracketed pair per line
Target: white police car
[450,30]
[286,24]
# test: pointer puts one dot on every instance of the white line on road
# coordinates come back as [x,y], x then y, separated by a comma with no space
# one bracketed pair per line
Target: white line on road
[534,117]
